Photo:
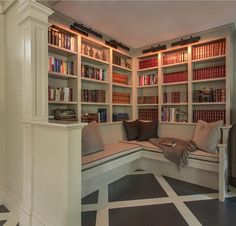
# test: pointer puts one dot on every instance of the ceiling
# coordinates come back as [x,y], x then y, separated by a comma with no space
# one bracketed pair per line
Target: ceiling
[142,23]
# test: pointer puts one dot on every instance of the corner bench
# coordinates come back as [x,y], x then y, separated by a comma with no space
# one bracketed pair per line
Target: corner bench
[121,157]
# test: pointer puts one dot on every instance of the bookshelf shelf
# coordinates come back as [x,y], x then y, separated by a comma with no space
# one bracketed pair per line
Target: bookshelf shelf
[148,69]
[60,50]
[94,60]
[61,75]
[209,103]
[147,86]
[174,104]
[121,85]
[63,102]
[174,65]
[94,103]
[209,59]
[175,83]
[121,104]
[209,80]
[146,105]
[94,80]
[121,68]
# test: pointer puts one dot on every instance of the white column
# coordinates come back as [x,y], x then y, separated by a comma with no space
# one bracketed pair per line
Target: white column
[33,22]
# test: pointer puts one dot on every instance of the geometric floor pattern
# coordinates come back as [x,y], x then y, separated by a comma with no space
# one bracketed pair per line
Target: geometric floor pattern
[6,218]
[144,199]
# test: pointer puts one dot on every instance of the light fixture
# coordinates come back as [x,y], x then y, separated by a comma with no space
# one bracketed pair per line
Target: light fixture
[72,27]
[155,49]
[122,46]
[183,42]
[109,43]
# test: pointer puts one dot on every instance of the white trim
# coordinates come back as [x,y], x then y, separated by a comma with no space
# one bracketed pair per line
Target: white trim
[5,6]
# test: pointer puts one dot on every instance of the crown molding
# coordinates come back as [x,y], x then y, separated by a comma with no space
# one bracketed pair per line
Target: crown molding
[6,5]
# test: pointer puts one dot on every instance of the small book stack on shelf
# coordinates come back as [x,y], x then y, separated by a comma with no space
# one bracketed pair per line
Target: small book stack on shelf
[148,63]
[63,94]
[148,113]
[173,114]
[175,97]
[175,77]
[209,115]
[58,65]
[147,99]
[120,78]
[208,50]
[175,57]
[97,96]
[150,79]
[209,72]
[120,98]
[93,72]
[61,38]
[100,116]
[116,117]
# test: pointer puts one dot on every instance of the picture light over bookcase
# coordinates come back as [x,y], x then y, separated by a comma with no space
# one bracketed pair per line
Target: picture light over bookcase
[183,42]
[155,49]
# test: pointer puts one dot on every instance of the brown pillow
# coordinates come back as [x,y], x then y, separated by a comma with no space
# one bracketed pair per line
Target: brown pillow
[91,139]
[147,130]
[207,135]
[131,129]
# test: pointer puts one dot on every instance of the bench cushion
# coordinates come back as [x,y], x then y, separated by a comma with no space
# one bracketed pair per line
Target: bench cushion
[109,150]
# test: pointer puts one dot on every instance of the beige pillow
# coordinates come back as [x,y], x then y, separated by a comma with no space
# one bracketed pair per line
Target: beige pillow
[207,135]
[91,139]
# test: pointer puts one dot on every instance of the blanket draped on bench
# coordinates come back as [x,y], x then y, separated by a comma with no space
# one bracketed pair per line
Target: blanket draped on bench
[175,150]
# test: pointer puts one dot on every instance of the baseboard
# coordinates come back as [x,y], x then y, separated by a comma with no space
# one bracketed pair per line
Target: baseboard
[16,207]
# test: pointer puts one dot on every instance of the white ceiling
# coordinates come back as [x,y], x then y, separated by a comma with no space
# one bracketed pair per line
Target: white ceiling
[142,23]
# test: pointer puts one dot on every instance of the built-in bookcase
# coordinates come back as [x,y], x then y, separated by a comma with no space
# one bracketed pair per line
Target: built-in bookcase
[192,83]
[97,77]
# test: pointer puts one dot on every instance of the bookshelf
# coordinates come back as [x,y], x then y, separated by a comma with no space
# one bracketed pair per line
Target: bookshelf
[192,83]
[97,77]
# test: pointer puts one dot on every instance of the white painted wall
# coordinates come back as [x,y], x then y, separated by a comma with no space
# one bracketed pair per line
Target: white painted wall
[2,106]
[13,105]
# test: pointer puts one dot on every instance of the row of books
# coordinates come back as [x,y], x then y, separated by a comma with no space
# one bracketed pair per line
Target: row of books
[146,63]
[147,99]
[150,79]
[175,77]
[59,94]
[60,39]
[93,73]
[210,49]
[61,66]
[173,114]
[209,72]
[175,97]
[148,113]
[121,61]
[100,116]
[93,95]
[218,95]
[174,58]
[118,97]
[120,116]
[208,115]
[120,78]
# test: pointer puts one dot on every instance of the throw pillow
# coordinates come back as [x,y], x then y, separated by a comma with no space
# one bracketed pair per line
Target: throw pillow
[131,129]
[91,139]
[147,130]
[207,135]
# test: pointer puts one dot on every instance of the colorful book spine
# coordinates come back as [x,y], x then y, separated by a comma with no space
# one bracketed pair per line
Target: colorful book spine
[209,72]
[61,39]
[102,115]
[148,113]
[147,63]
[93,96]
[60,94]
[175,77]
[150,79]
[120,78]
[173,114]
[175,58]
[208,50]
[209,115]
[93,73]
[120,98]
[147,99]
[60,66]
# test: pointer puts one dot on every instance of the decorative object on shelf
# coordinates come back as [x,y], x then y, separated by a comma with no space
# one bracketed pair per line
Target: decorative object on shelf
[65,114]
[183,42]
[173,114]
[91,53]
[85,49]
[116,117]
[104,57]
[205,94]
[97,55]
[155,48]
[127,65]
[89,117]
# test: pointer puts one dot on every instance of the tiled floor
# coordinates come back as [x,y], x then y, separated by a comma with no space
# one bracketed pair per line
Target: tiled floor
[6,218]
[143,199]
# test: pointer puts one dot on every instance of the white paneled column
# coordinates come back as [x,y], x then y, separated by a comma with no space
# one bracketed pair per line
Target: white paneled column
[33,23]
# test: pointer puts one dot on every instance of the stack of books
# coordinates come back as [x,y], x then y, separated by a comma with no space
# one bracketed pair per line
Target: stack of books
[61,66]
[120,78]
[60,94]
[118,97]
[175,77]
[150,79]
[92,72]
[120,116]
[209,72]
[93,96]
[174,58]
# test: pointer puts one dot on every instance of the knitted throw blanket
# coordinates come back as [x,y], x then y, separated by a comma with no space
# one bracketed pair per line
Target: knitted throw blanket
[175,150]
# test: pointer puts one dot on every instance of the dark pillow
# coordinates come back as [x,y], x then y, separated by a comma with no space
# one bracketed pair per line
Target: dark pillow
[91,139]
[131,129]
[147,130]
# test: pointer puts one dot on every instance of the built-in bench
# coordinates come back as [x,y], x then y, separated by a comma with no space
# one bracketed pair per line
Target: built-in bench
[121,157]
